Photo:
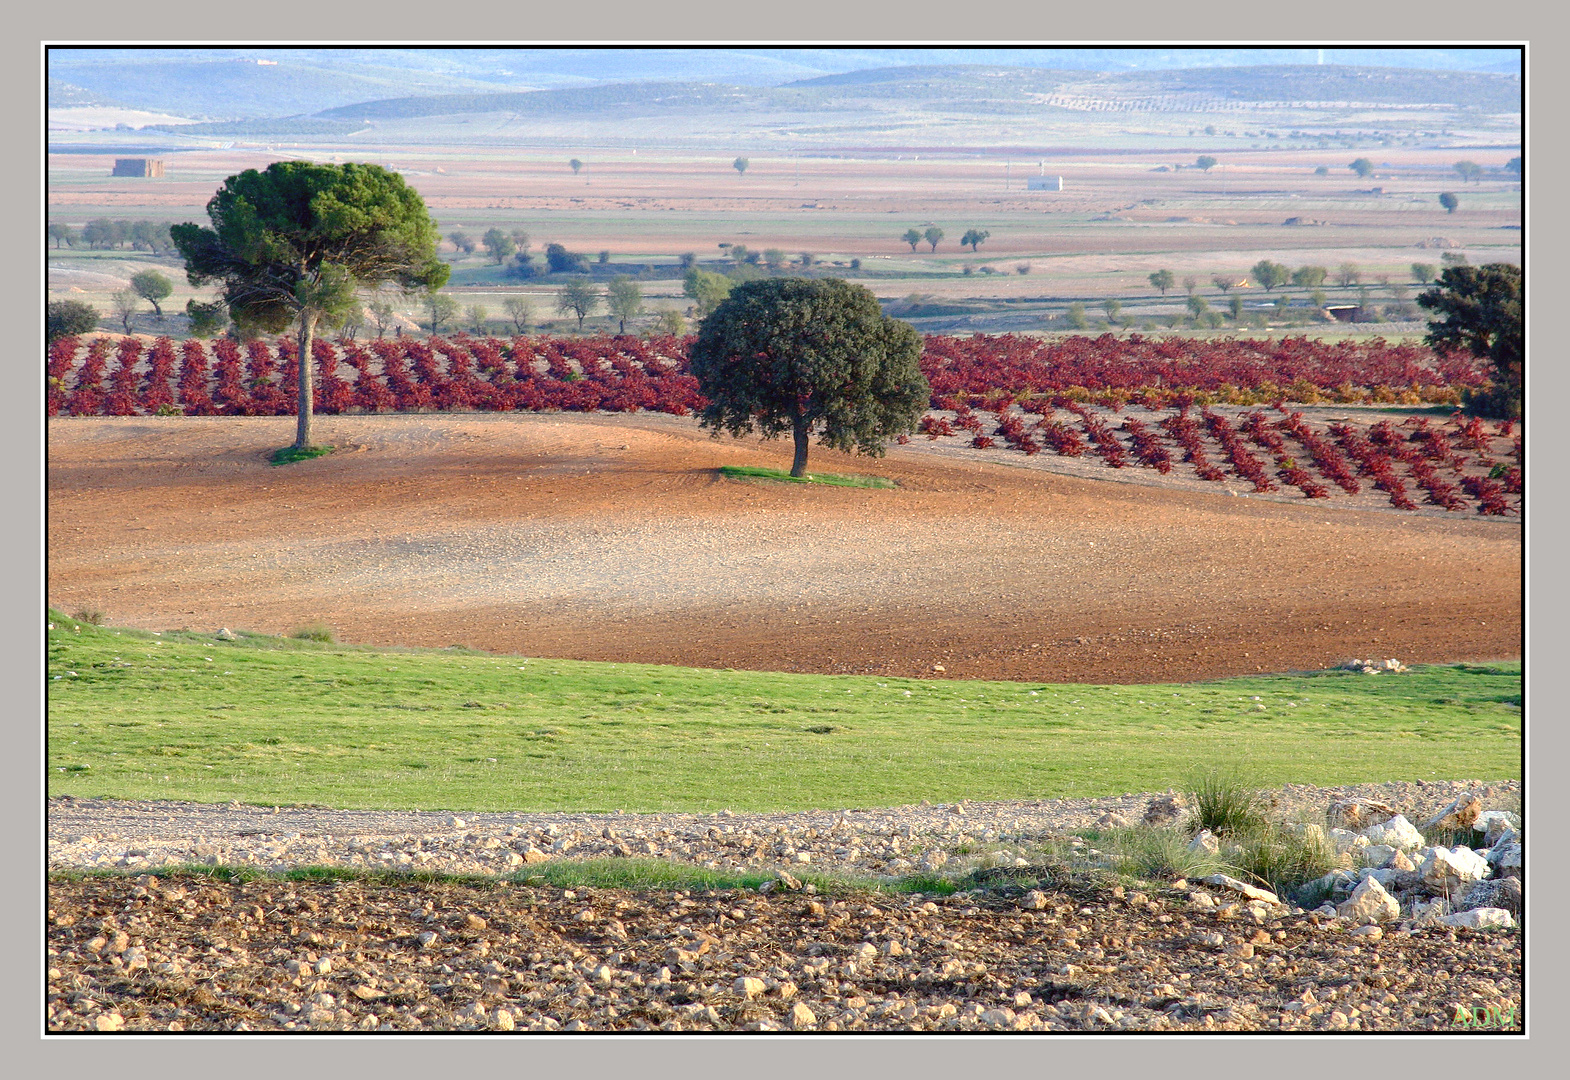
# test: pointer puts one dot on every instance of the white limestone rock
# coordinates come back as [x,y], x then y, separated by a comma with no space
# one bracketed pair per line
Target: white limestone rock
[1448,869]
[1483,918]
[1398,833]
[1369,903]
[1206,842]
[1243,887]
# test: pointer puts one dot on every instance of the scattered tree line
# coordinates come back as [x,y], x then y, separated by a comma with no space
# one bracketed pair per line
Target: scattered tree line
[104,234]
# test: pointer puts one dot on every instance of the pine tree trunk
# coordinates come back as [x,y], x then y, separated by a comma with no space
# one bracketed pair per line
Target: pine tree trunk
[799,431]
[302,436]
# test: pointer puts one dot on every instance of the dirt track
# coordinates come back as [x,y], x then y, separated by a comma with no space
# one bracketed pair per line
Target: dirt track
[612,538]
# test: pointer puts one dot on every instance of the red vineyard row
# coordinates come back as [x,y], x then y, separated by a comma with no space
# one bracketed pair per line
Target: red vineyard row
[1066,398]
[380,376]
[1462,463]
[622,374]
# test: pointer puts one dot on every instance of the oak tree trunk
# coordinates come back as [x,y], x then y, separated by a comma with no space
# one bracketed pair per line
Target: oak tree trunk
[800,431]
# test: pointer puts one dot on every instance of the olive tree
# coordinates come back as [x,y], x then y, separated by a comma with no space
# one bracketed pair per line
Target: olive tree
[671,322]
[932,236]
[520,311]
[439,308]
[1309,277]
[1270,274]
[578,298]
[706,288]
[499,245]
[1161,279]
[291,244]
[809,355]
[624,299]
[126,303]
[152,286]
[382,312]
[912,237]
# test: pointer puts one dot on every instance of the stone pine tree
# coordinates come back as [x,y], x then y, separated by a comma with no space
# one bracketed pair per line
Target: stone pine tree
[1478,309]
[805,355]
[291,243]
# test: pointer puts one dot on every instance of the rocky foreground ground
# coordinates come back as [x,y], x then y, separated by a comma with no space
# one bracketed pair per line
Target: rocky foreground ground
[1032,948]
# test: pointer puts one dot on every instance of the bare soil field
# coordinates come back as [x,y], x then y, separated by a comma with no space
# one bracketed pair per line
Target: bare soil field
[192,954]
[1023,947]
[614,538]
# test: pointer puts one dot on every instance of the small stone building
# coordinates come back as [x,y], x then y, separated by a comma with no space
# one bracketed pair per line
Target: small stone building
[1043,183]
[136,166]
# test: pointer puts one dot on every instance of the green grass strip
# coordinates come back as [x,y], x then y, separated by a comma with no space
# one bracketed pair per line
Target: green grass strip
[268,720]
[632,875]
[752,472]
[288,455]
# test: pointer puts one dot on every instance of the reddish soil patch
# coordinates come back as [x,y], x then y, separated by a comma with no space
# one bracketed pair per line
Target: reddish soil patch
[613,538]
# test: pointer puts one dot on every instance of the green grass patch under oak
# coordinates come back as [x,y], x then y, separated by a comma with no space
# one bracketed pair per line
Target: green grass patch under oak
[754,472]
[269,720]
[288,455]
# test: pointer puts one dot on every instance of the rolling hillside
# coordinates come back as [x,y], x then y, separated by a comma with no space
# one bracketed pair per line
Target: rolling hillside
[235,84]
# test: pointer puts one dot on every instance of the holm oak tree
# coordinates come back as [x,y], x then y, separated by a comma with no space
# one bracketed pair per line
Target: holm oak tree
[801,355]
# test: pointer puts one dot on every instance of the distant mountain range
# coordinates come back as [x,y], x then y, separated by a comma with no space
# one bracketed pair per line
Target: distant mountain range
[253,83]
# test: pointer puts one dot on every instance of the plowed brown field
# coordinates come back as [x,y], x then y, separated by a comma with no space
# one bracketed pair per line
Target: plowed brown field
[613,538]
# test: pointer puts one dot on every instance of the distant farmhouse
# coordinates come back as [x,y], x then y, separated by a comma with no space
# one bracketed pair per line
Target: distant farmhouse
[1043,183]
[136,166]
